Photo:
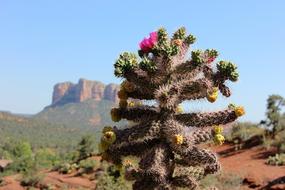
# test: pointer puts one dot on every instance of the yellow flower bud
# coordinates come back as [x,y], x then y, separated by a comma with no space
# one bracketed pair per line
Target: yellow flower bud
[139,103]
[178,139]
[107,128]
[218,129]
[109,137]
[239,111]
[179,109]
[219,139]
[131,104]
[212,96]
[115,115]
[215,89]
[127,163]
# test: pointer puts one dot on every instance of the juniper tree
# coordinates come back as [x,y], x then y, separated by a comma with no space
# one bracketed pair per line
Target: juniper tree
[275,120]
[163,137]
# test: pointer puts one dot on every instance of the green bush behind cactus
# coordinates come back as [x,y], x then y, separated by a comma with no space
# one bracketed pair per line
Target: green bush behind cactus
[277,160]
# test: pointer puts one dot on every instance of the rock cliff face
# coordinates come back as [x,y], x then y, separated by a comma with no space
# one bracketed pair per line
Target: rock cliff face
[68,92]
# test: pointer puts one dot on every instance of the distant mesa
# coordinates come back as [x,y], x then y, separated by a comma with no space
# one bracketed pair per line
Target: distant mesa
[67,92]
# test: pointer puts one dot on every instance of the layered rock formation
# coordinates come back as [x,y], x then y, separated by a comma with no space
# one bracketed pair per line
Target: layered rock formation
[68,92]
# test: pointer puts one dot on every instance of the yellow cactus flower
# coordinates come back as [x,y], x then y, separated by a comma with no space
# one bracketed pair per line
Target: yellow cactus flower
[218,129]
[215,89]
[123,103]
[106,129]
[134,103]
[178,139]
[128,86]
[127,163]
[139,103]
[179,109]
[115,115]
[239,111]
[212,97]
[131,104]
[109,137]
[219,139]
[122,94]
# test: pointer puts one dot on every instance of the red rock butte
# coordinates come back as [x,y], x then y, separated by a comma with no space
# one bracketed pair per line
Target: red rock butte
[67,92]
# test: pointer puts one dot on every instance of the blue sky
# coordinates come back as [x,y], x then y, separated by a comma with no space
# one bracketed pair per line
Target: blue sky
[45,42]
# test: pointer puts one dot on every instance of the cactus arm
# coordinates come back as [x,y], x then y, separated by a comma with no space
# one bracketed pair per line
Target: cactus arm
[195,156]
[201,135]
[136,114]
[207,119]
[172,94]
[138,77]
[185,181]
[140,133]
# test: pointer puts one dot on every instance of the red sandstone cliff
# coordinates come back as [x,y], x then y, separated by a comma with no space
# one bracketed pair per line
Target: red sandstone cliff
[68,92]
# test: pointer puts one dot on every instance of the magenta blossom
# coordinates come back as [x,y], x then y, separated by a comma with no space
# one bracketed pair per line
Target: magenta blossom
[211,59]
[147,43]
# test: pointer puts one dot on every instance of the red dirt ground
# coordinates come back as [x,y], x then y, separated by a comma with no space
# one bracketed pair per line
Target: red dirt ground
[248,163]
[54,179]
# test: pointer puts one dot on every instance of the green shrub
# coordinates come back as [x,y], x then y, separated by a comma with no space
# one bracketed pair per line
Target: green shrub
[46,158]
[242,132]
[222,181]
[277,160]
[31,179]
[87,166]
[107,182]
[85,147]
[22,155]
[22,164]
[112,179]
[65,168]
[2,181]
[279,141]
[22,149]
[275,117]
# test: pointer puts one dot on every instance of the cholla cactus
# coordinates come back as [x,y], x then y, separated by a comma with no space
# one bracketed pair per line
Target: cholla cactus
[163,137]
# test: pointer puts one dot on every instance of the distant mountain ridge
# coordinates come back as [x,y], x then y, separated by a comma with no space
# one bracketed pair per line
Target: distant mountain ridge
[76,109]
[67,92]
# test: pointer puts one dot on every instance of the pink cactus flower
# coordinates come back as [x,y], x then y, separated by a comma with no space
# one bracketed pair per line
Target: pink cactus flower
[211,59]
[147,43]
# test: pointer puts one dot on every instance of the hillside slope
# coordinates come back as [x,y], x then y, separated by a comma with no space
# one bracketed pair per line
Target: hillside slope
[37,132]
[82,115]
